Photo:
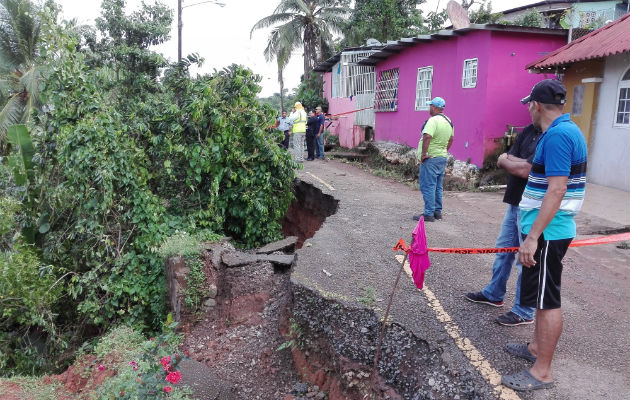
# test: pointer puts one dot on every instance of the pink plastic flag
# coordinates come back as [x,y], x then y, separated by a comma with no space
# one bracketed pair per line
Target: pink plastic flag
[418,256]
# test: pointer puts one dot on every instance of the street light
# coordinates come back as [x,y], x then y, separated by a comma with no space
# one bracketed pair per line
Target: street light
[179,22]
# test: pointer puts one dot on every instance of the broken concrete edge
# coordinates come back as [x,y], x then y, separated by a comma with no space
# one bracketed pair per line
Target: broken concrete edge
[338,336]
[239,259]
[286,245]
[216,255]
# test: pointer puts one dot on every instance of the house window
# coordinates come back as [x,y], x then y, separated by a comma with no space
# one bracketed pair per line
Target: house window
[469,76]
[622,117]
[386,93]
[578,100]
[359,79]
[423,88]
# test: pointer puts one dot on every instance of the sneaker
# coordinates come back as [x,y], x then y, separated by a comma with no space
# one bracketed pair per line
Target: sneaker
[477,297]
[437,215]
[427,218]
[512,319]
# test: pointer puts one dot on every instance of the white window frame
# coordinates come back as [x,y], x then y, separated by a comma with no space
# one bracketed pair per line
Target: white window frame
[386,92]
[424,86]
[623,84]
[469,73]
[358,79]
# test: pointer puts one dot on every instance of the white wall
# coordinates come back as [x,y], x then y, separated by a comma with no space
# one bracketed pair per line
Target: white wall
[609,154]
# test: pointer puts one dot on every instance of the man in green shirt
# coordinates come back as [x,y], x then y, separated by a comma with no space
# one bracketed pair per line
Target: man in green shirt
[437,138]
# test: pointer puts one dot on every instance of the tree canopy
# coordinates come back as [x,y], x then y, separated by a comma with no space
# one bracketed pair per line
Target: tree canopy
[382,20]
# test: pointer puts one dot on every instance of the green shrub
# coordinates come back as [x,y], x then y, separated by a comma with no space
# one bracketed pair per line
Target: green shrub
[186,245]
[142,367]
[29,291]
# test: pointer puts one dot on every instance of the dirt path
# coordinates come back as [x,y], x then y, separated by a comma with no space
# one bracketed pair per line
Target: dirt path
[355,247]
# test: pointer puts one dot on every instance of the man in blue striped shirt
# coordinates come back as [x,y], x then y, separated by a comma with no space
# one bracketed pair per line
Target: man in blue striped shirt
[553,196]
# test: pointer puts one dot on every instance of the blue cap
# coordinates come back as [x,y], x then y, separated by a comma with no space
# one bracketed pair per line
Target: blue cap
[437,101]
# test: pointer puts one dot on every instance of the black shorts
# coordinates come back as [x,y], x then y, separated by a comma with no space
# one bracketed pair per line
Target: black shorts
[540,284]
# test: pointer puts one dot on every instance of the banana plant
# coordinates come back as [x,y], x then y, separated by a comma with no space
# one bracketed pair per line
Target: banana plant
[20,161]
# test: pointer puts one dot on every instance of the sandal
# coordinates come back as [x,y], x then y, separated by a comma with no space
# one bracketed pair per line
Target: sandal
[524,381]
[520,350]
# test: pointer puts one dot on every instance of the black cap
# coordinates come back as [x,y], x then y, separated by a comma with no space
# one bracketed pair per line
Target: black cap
[549,91]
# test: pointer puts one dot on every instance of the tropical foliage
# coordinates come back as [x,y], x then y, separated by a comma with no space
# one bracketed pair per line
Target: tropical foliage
[382,20]
[19,73]
[304,23]
[119,159]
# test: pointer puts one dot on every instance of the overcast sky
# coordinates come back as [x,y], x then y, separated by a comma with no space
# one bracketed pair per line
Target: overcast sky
[221,34]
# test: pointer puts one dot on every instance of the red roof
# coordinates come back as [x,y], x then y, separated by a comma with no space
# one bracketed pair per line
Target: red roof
[610,39]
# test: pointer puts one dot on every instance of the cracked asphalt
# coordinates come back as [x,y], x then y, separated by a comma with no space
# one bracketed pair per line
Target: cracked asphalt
[354,246]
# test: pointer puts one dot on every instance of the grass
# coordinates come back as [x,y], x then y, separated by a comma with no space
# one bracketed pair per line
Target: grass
[369,296]
[33,387]
[186,245]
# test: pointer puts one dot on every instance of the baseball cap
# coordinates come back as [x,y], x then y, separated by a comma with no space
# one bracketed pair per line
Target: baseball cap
[548,91]
[437,101]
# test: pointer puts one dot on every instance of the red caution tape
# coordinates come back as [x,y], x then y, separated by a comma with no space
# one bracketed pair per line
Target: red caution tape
[576,243]
[349,112]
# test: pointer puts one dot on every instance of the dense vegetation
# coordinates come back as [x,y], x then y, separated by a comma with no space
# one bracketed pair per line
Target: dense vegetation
[124,151]
[109,153]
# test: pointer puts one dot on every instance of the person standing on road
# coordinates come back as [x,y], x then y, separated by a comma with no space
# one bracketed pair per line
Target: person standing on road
[312,126]
[437,138]
[320,134]
[518,163]
[553,196]
[284,125]
[298,119]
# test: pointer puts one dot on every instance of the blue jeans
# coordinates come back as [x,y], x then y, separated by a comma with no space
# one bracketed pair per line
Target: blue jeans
[319,146]
[508,237]
[430,179]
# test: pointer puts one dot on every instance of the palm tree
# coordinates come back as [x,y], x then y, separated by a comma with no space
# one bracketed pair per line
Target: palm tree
[279,47]
[19,75]
[304,23]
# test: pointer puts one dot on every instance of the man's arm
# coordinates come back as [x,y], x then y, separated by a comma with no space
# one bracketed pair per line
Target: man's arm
[321,126]
[426,140]
[450,143]
[514,165]
[550,205]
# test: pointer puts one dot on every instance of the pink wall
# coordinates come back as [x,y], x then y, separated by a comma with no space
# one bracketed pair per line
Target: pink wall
[343,126]
[511,52]
[479,114]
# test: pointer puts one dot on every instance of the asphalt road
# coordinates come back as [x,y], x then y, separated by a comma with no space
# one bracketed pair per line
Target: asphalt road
[355,247]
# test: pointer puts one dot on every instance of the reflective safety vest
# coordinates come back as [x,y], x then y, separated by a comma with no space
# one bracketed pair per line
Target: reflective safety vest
[299,124]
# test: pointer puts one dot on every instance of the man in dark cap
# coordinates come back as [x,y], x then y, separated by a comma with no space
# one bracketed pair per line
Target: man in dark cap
[553,196]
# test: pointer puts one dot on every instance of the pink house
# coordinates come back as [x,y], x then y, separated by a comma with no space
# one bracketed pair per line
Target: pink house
[479,71]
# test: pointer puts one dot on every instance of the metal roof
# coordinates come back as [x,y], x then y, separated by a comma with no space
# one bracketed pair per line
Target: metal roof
[610,39]
[396,46]
[326,65]
[551,4]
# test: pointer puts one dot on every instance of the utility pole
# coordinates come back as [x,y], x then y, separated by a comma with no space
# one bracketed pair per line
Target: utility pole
[179,31]
[180,24]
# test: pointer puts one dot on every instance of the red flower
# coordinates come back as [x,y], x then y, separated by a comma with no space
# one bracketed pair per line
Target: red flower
[101,367]
[168,389]
[165,363]
[174,377]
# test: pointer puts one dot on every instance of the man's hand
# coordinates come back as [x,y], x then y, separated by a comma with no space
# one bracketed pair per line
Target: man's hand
[526,252]
[501,159]
[424,157]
